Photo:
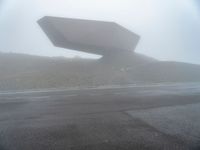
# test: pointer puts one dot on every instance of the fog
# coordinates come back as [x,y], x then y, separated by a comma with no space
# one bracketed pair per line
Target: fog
[169,30]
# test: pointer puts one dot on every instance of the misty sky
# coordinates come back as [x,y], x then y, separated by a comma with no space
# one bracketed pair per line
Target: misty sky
[169,29]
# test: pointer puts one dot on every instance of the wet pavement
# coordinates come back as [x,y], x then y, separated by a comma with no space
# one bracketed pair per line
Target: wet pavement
[133,117]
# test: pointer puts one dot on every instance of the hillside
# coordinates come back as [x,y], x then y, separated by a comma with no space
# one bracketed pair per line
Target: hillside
[20,71]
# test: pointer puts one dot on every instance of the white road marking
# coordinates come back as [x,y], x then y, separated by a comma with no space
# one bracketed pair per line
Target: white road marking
[180,85]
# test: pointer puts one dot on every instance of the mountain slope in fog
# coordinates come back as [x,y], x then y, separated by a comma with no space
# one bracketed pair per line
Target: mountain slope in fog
[20,71]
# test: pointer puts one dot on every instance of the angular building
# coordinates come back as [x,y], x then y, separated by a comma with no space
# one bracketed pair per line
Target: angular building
[96,37]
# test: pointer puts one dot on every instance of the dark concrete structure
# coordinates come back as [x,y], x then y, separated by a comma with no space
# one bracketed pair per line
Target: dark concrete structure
[97,37]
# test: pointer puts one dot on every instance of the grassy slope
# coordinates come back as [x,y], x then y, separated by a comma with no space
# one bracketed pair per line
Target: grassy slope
[18,71]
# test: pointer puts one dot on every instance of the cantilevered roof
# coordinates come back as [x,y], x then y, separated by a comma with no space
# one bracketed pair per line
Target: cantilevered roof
[97,37]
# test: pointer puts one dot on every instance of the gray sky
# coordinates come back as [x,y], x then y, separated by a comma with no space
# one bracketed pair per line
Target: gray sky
[169,29]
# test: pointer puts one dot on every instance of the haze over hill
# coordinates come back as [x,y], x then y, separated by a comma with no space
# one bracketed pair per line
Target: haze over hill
[20,71]
[169,30]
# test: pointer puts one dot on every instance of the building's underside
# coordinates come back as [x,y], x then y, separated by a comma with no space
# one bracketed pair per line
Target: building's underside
[96,37]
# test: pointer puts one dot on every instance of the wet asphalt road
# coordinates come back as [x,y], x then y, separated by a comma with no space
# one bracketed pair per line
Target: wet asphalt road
[135,117]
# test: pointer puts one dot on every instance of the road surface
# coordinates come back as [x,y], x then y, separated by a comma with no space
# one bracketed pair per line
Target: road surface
[133,117]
